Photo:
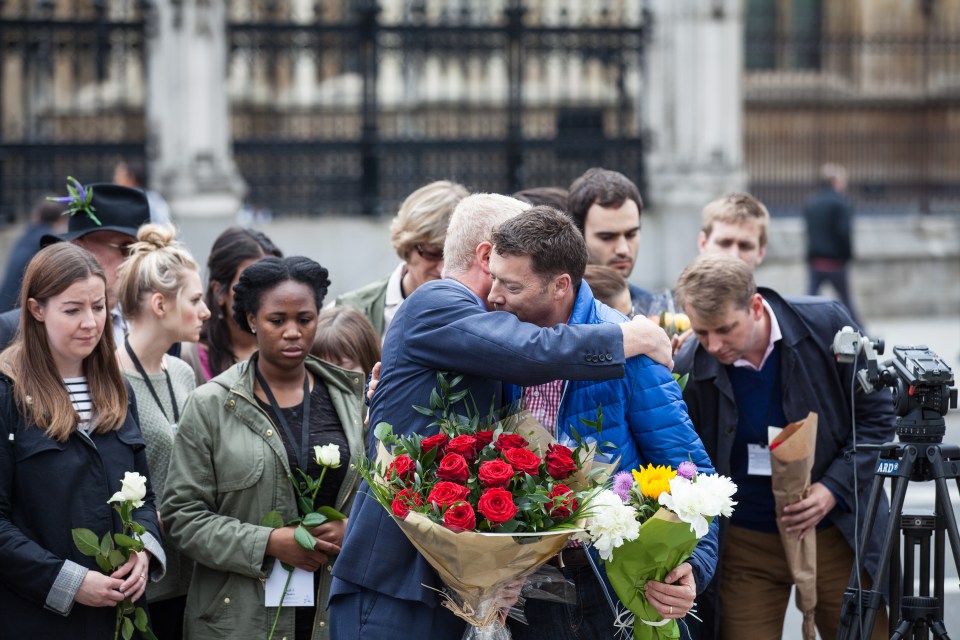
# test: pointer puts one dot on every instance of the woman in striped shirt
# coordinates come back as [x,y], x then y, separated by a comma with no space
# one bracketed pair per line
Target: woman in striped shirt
[68,433]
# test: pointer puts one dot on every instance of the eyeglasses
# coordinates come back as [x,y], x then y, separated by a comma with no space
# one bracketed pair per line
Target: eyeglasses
[432,255]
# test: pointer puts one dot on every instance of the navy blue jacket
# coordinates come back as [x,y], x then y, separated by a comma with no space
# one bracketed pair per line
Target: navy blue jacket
[810,380]
[442,326]
[48,488]
[644,416]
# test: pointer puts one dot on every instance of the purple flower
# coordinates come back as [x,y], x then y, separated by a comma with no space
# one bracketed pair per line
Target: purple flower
[687,469]
[622,484]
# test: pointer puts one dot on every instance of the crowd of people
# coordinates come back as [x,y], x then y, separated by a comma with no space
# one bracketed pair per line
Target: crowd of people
[118,358]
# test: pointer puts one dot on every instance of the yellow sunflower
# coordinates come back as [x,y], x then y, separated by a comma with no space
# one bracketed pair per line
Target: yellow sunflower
[654,480]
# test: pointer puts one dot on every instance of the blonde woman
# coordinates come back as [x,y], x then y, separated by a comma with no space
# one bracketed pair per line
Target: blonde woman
[68,434]
[162,299]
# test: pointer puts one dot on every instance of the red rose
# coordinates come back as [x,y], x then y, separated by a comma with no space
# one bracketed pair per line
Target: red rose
[464,445]
[495,473]
[445,494]
[404,500]
[563,503]
[559,461]
[402,467]
[510,441]
[523,460]
[460,517]
[484,438]
[496,505]
[453,467]
[433,442]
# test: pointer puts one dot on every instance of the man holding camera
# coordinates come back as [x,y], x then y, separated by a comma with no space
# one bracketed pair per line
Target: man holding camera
[759,361]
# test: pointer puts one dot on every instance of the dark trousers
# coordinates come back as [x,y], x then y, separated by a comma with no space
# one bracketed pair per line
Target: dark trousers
[370,615]
[840,281]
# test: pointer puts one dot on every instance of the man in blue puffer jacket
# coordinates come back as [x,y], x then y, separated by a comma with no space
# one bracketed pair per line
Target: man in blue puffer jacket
[537,267]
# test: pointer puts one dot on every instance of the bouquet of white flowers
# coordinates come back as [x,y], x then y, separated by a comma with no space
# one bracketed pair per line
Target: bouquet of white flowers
[648,524]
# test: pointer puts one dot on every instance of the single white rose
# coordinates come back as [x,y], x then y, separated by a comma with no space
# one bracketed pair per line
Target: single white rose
[133,488]
[328,455]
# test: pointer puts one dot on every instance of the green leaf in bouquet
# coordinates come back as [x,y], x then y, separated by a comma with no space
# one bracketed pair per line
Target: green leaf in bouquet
[384,433]
[331,513]
[272,519]
[539,498]
[140,619]
[87,542]
[137,528]
[681,380]
[314,519]
[442,382]
[575,435]
[117,558]
[124,541]
[507,527]
[304,539]
[423,410]
[458,396]
[104,564]
[430,456]
[106,544]
[435,401]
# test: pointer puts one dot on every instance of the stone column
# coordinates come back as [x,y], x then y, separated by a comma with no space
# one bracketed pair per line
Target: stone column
[693,110]
[188,122]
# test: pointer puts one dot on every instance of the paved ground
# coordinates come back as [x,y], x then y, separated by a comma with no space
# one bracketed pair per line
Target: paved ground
[941,335]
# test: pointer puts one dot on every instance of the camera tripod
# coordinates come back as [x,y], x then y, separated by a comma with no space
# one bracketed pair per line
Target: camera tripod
[919,457]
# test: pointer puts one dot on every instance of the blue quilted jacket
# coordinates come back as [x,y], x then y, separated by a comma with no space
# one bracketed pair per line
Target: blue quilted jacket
[644,416]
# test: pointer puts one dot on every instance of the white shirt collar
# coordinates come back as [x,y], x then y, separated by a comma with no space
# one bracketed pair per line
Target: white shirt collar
[775,335]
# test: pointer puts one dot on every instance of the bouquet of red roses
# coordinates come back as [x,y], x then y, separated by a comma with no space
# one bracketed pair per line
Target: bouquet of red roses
[485,504]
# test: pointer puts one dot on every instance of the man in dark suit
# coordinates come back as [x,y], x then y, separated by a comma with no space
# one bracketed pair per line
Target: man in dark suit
[117,213]
[379,591]
[760,361]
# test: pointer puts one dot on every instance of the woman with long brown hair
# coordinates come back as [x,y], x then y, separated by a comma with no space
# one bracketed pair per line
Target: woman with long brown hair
[68,434]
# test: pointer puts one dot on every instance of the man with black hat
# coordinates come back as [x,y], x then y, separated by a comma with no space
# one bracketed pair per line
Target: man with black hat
[104,223]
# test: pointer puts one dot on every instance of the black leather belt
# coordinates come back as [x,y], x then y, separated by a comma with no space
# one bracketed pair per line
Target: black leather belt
[571,557]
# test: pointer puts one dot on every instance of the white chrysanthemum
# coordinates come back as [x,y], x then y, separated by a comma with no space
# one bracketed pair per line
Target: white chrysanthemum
[327,455]
[611,523]
[718,495]
[694,502]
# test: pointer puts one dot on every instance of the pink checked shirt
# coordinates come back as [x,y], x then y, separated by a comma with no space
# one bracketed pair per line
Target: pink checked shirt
[543,401]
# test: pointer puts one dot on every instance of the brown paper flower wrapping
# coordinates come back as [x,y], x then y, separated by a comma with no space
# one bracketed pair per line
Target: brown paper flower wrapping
[476,564]
[791,462]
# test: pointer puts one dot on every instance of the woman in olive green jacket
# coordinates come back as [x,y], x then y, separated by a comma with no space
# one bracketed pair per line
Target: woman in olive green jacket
[232,459]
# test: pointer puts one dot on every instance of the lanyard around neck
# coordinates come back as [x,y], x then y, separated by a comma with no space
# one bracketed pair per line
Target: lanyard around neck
[301,454]
[153,392]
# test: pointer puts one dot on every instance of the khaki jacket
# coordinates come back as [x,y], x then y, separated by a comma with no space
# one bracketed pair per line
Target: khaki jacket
[227,470]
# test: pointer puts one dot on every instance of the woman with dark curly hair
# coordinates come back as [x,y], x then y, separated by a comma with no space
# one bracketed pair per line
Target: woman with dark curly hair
[241,437]
[222,342]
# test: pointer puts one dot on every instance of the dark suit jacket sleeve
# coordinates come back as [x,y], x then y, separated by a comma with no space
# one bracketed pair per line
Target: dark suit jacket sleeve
[463,337]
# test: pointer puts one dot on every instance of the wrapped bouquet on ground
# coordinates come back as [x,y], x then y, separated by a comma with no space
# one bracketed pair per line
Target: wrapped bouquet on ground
[484,502]
[647,524]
